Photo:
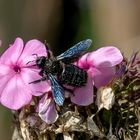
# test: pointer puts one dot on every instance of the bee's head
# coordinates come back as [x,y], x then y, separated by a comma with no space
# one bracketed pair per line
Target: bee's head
[40,61]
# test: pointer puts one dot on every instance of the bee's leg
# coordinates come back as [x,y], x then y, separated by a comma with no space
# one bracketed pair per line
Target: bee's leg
[41,73]
[39,80]
[63,66]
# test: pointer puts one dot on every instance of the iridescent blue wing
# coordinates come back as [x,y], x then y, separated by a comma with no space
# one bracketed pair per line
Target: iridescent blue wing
[57,90]
[76,49]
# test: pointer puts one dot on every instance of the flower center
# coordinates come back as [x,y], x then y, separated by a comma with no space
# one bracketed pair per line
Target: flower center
[17,69]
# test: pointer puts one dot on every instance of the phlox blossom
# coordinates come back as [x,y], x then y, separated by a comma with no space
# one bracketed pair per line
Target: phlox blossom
[47,108]
[101,68]
[16,73]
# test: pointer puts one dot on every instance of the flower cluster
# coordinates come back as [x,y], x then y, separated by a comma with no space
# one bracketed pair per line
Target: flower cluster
[16,74]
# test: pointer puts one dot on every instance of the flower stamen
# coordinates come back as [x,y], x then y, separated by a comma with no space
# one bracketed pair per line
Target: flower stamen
[17,69]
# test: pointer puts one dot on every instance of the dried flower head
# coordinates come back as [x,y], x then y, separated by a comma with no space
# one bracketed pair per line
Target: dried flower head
[105,98]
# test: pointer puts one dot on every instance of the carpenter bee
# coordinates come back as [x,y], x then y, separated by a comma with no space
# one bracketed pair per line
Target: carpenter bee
[60,71]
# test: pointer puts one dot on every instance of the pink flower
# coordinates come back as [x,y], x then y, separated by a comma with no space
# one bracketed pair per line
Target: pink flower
[100,66]
[16,74]
[46,109]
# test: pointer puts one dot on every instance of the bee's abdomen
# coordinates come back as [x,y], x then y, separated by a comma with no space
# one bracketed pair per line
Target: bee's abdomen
[74,76]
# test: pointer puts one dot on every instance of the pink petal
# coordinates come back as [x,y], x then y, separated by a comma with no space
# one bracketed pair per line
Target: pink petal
[11,55]
[5,74]
[30,75]
[82,62]
[32,47]
[47,110]
[102,76]
[15,94]
[5,70]
[105,57]
[83,95]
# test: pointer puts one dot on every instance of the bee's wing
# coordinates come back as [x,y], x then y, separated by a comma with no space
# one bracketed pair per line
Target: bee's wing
[75,50]
[57,90]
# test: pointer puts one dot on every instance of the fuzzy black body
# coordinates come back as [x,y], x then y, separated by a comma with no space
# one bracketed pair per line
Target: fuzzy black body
[73,75]
[68,74]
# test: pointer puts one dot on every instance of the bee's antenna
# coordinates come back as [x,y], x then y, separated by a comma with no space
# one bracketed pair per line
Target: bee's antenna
[46,45]
[49,52]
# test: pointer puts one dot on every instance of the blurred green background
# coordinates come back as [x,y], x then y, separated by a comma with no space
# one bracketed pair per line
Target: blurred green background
[65,22]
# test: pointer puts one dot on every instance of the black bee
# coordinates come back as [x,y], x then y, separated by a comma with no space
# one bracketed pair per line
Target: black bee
[60,71]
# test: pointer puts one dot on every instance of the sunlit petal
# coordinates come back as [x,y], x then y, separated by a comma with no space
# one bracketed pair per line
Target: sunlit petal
[15,94]
[83,95]
[11,55]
